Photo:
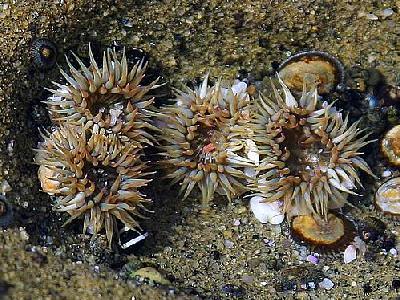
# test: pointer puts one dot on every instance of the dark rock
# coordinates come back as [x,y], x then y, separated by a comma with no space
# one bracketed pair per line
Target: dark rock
[233,290]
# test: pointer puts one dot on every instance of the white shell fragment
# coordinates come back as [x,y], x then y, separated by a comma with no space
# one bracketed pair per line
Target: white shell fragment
[134,241]
[252,152]
[350,254]
[267,212]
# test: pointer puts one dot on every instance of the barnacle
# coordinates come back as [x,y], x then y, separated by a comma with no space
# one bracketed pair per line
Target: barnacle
[43,54]
[110,96]
[93,175]
[309,156]
[202,140]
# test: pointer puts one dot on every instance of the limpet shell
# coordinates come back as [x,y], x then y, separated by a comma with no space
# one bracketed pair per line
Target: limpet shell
[312,67]
[390,145]
[330,234]
[387,197]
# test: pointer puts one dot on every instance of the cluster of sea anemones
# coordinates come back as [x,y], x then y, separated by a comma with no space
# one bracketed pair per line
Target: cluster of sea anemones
[309,156]
[213,139]
[91,162]
[203,140]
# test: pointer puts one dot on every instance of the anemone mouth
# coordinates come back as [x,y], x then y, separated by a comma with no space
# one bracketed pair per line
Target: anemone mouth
[304,153]
[208,146]
[331,234]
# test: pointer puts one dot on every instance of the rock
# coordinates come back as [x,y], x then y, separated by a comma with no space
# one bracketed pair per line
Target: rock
[233,290]
[152,274]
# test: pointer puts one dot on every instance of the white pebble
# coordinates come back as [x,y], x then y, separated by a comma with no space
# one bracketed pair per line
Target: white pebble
[386,173]
[387,12]
[236,222]
[267,212]
[311,285]
[326,284]
[5,187]
[371,17]
[228,244]
[350,254]
[393,251]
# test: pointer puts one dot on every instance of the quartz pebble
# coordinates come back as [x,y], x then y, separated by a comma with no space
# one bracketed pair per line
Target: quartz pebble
[326,284]
[387,12]
[312,259]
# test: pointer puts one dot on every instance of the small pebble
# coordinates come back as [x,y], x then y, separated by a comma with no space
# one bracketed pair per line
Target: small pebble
[228,244]
[326,284]
[393,251]
[233,290]
[311,285]
[387,12]
[312,259]
[371,17]
[269,243]
[247,279]
[386,173]
[24,235]
[127,22]
[236,222]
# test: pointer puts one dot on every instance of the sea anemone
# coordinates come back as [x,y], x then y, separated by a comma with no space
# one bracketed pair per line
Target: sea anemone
[110,96]
[309,156]
[203,140]
[93,175]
